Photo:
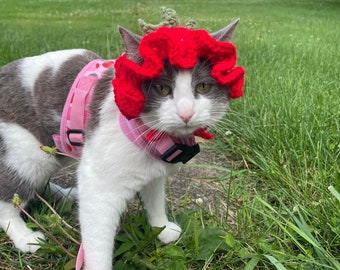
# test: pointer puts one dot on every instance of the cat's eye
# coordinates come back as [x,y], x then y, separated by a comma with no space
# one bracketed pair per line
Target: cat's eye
[203,88]
[163,90]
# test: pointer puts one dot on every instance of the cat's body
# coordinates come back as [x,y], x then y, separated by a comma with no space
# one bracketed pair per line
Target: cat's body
[112,168]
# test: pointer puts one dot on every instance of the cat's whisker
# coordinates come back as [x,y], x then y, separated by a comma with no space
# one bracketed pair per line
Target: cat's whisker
[147,130]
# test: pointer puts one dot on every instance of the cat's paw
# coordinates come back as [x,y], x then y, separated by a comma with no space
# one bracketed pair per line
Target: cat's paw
[29,242]
[58,192]
[71,194]
[170,233]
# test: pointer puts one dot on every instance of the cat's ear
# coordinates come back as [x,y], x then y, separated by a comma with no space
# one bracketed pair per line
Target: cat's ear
[131,42]
[226,33]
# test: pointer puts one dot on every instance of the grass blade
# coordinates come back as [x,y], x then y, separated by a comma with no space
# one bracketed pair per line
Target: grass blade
[252,263]
[334,192]
[275,262]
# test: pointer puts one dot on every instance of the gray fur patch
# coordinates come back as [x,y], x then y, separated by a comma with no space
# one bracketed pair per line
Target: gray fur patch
[12,183]
[51,91]
[202,73]
[101,90]
[15,101]
[152,99]
[40,114]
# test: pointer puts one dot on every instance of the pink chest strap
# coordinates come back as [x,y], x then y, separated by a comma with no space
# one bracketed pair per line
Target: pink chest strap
[76,110]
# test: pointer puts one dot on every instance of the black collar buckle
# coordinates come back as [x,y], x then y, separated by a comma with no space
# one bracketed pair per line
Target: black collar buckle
[180,153]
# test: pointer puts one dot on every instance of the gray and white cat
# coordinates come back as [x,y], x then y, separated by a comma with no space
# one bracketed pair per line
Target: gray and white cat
[111,169]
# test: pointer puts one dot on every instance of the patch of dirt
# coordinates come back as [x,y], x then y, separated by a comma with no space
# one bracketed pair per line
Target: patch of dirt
[194,185]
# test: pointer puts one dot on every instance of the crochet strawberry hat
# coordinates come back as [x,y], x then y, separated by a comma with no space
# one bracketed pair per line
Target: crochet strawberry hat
[182,47]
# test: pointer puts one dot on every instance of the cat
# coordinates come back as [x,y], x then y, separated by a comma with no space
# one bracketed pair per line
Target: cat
[111,168]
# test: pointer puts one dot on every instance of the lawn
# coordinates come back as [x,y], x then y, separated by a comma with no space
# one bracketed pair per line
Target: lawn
[282,139]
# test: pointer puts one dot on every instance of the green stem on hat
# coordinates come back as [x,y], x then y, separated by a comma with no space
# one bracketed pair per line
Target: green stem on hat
[169,19]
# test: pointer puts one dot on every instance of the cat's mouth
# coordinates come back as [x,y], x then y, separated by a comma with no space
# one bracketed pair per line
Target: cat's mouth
[183,131]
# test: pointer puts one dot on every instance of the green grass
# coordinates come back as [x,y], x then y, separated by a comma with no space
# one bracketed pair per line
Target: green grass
[284,143]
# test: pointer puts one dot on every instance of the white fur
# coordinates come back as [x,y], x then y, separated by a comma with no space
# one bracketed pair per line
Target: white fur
[184,99]
[109,175]
[23,155]
[31,67]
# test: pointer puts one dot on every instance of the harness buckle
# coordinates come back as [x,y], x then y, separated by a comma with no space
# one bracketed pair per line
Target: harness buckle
[76,137]
[180,153]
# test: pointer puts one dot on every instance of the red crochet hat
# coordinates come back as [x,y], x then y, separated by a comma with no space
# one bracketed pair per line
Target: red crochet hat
[182,47]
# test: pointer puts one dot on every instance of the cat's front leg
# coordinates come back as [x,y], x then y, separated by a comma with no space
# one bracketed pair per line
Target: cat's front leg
[11,222]
[99,222]
[153,196]
[101,203]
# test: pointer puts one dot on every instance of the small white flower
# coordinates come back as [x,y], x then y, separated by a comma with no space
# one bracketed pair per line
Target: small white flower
[199,201]
[228,133]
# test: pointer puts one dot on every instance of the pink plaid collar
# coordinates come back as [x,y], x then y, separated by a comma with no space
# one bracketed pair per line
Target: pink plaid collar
[157,144]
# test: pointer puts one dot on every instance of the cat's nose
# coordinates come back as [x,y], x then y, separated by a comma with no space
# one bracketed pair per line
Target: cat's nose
[185,109]
[186,116]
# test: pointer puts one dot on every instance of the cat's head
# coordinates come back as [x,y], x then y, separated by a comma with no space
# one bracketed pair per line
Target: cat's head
[179,89]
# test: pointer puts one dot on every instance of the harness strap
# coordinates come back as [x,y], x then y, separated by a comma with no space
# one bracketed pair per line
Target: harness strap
[76,110]
[80,257]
